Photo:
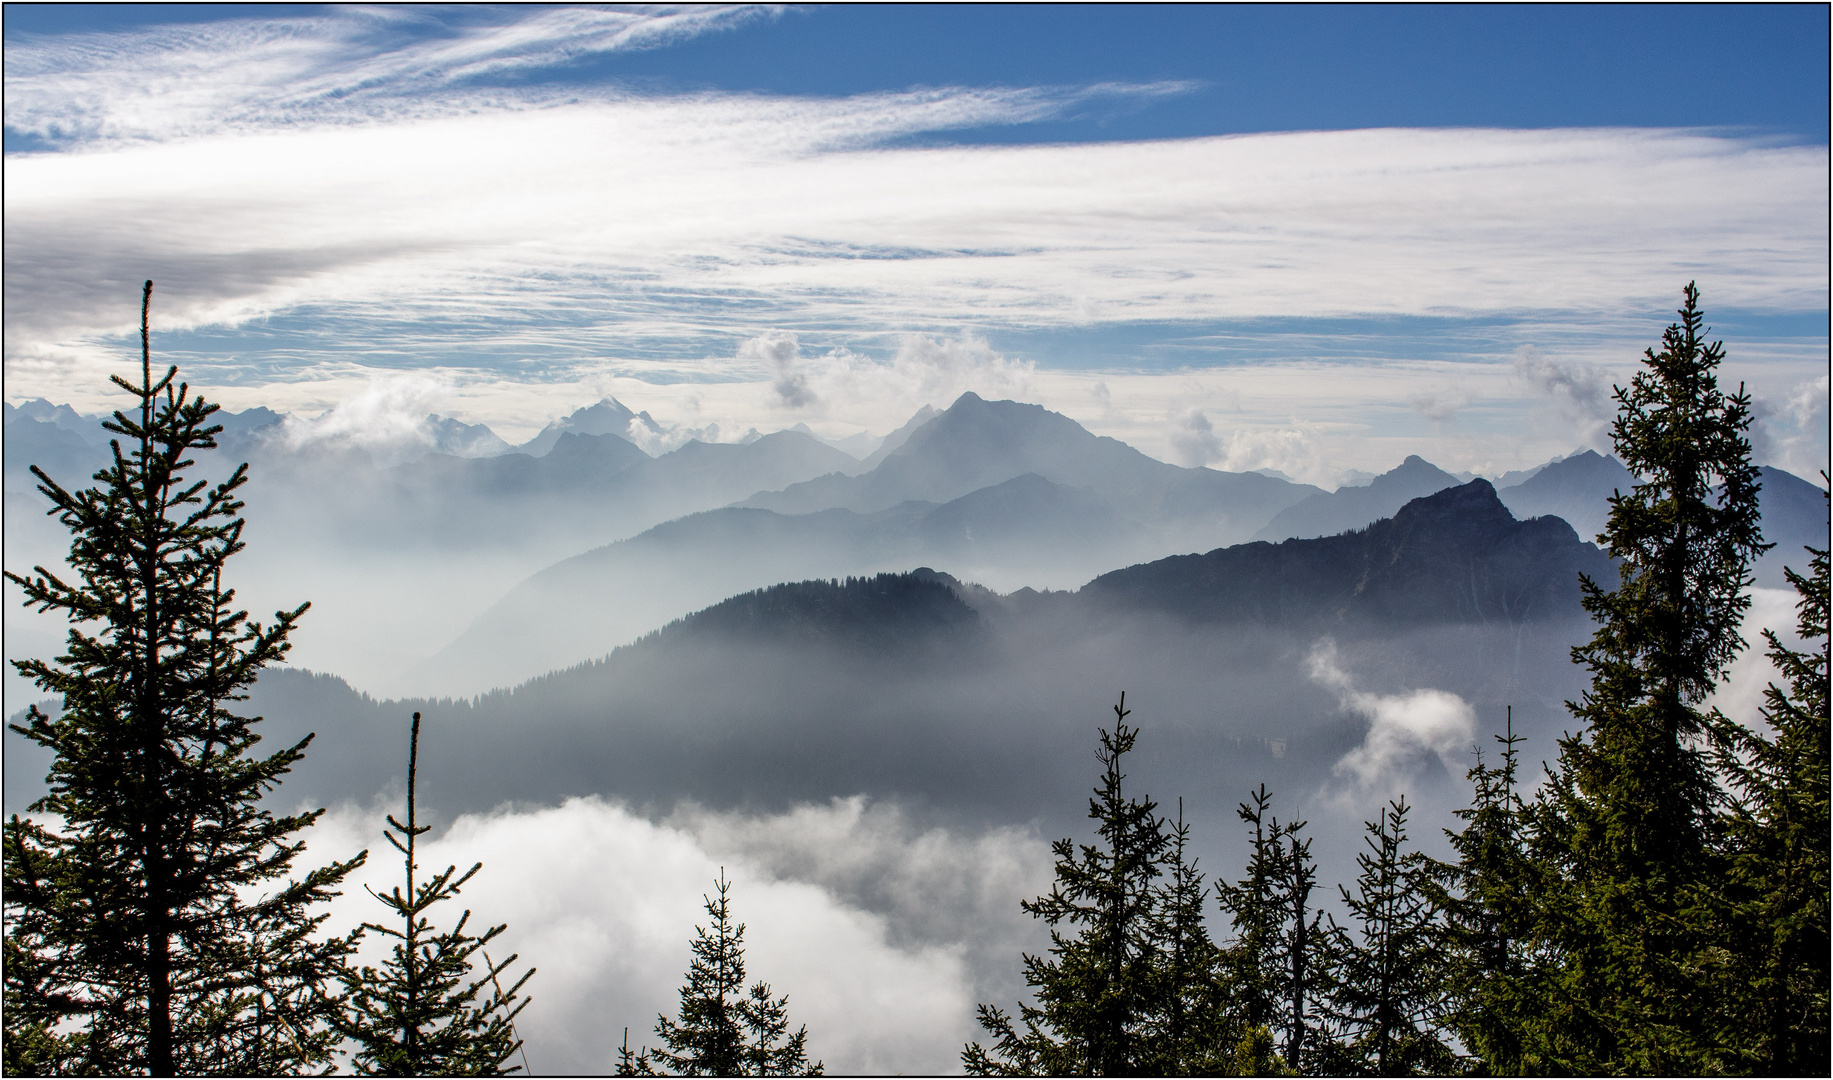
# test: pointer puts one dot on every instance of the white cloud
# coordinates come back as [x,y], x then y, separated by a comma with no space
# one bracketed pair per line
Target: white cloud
[1404,729]
[1293,451]
[1740,694]
[1193,439]
[782,353]
[1578,394]
[861,918]
[1790,433]
[388,419]
[347,65]
[348,179]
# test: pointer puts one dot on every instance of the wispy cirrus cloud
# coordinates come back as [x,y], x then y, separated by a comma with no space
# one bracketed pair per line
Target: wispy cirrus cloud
[352,64]
[359,191]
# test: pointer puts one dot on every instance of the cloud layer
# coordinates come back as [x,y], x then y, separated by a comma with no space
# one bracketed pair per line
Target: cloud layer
[876,928]
[320,197]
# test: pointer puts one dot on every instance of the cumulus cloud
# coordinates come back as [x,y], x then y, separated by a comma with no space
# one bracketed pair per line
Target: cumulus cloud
[1577,394]
[1291,451]
[936,370]
[655,438]
[1193,439]
[391,419]
[1405,730]
[783,354]
[1790,432]
[876,960]
[924,370]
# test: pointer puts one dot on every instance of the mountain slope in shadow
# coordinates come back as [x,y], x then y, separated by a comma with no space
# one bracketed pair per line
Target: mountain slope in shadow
[1457,556]
[919,687]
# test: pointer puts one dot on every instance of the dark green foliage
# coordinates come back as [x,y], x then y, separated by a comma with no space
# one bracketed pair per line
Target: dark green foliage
[1387,998]
[889,615]
[1277,960]
[1775,988]
[1187,1030]
[1095,1001]
[1626,874]
[722,1030]
[1484,899]
[151,921]
[423,1014]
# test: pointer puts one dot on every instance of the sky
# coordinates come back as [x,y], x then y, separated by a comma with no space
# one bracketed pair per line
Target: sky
[1314,239]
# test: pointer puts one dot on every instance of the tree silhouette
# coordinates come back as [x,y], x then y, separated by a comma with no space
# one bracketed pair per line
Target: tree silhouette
[721,1030]
[1775,991]
[153,922]
[1626,869]
[423,1013]
[1094,992]
[1388,995]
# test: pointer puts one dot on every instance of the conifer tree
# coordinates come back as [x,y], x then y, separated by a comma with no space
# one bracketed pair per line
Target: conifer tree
[1387,998]
[1094,992]
[423,1013]
[1309,964]
[722,1030]
[1269,967]
[1251,962]
[1622,833]
[1775,992]
[153,924]
[1187,1030]
[1483,897]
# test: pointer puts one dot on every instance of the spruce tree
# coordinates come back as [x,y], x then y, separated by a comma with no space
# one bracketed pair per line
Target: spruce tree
[1626,870]
[424,1013]
[1387,999]
[721,1030]
[1188,1032]
[153,922]
[1309,965]
[1094,992]
[1775,990]
[1270,968]
[1483,896]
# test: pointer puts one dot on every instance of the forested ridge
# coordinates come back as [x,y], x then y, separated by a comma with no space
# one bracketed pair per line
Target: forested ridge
[1647,896]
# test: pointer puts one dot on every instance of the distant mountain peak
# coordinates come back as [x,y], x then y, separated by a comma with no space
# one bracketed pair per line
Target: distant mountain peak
[1455,556]
[1329,513]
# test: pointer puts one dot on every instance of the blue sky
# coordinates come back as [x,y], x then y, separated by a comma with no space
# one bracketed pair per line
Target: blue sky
[1335,235]
[1254,68]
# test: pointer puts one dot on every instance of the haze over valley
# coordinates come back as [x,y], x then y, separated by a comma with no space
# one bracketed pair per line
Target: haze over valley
[768,442]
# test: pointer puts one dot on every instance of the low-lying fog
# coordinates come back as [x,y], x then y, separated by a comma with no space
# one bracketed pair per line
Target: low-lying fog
[881,808]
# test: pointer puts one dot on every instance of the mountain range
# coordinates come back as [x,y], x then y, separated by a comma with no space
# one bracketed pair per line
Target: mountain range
[922,687]
[580,541]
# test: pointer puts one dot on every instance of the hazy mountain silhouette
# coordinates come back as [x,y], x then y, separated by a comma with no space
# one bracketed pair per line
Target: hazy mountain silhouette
[1455,556]
[919,687]
[977,443]
[587,489]
[898,438]
[587,605]
[1794,517]
[1577,489]
[1332,512]
[607,417]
